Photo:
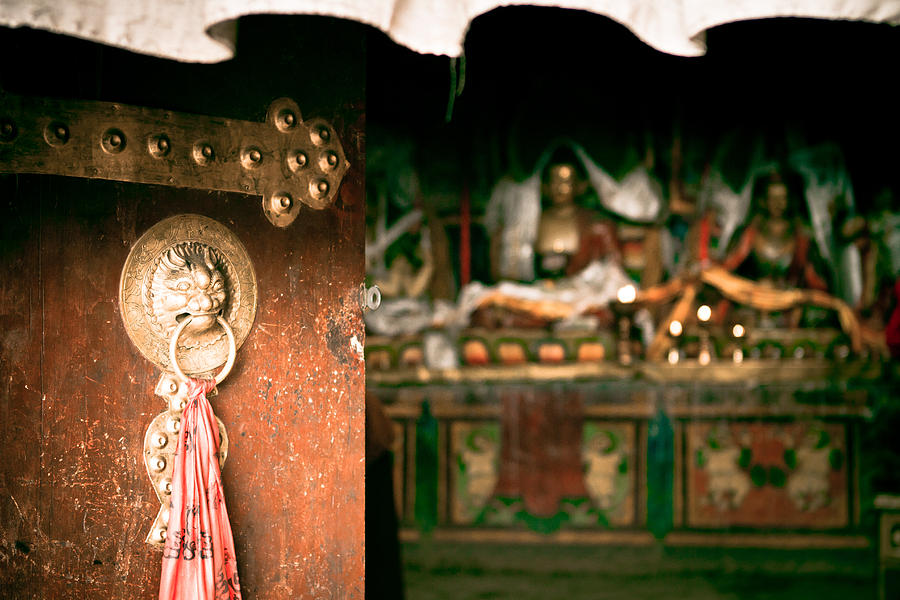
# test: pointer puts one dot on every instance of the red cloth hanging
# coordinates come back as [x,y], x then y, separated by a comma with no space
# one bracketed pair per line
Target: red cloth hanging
[465,237]
[705,227]
[198,560]
[892,330]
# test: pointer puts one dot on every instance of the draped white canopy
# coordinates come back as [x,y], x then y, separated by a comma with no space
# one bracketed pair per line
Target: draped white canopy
[204,30]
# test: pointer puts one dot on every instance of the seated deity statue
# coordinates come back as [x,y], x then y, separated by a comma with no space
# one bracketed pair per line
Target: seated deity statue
[570,236]
[575,257]
[774,247]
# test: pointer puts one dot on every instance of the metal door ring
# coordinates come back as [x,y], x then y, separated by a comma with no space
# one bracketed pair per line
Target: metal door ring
[232,349]
[175,250]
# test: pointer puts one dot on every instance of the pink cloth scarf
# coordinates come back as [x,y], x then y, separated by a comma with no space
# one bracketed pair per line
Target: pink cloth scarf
[198,560]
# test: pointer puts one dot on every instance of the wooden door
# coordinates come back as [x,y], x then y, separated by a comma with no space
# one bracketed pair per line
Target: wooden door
[76,396]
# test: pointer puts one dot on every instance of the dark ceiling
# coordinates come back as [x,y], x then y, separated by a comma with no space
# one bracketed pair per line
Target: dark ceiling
[533,74]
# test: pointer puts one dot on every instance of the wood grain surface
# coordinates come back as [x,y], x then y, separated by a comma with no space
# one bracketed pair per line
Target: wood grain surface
[76,396]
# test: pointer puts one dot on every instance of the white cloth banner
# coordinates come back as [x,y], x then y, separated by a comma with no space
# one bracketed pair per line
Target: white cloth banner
[204,30]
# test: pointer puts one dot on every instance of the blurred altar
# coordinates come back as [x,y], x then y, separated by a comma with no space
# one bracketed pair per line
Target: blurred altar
[652,300]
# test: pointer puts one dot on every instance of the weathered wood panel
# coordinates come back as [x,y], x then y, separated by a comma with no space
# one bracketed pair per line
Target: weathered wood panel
[22,530]
[77,397]
[298,510]
[94,499]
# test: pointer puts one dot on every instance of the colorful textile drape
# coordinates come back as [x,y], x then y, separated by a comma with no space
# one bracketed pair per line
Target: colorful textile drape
[198,560]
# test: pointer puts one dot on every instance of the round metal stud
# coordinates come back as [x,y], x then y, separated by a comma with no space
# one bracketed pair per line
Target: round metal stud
[286,120]
[173,425]
[203,153]
[328,161]
[160,440]
[56,133]
[161,534]
[176,405]
[112,141]
[166,485]
[280,208]
[159,464]
[251,157]
[284,115]
[8,130]
[297,161]
[159,145]
[282,203]
[320,135]
[318,189]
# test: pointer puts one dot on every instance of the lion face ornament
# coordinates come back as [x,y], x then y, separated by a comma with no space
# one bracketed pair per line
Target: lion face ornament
[190,281]
[187,267]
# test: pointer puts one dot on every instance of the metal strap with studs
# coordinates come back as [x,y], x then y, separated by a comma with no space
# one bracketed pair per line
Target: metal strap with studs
[284,159]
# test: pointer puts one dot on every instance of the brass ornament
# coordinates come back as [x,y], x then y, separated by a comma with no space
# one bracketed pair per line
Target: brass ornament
[187,296]
[160,442]
[187,266]
[285,160]
[173,349]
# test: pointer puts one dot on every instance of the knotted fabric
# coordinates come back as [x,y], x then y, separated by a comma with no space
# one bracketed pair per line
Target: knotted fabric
[198,560]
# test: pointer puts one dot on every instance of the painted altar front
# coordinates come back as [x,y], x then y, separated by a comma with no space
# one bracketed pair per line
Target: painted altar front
[592,451]
[635,367]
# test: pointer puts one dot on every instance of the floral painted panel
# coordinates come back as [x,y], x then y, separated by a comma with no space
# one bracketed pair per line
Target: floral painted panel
[765,474]
[607,480]
[608,452]
[475,450]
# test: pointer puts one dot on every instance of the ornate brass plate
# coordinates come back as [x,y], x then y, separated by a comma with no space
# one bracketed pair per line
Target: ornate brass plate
[286,160]
[160,442]
[187,266]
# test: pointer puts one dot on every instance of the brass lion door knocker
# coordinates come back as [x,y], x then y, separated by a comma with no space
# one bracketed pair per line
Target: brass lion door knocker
[188,300]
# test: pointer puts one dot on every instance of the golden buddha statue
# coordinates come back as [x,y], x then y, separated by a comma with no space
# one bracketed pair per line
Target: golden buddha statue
[569,236]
